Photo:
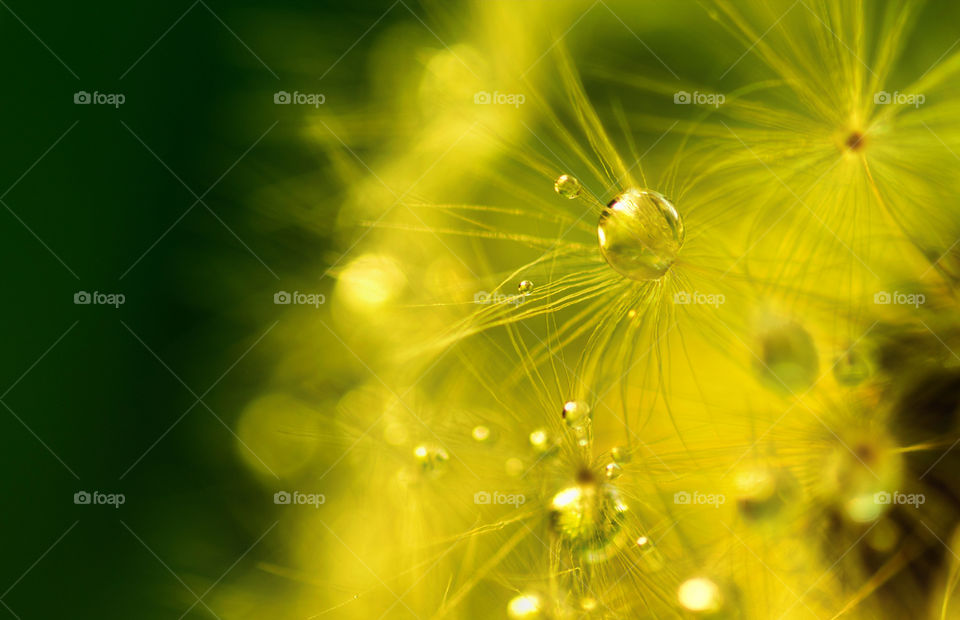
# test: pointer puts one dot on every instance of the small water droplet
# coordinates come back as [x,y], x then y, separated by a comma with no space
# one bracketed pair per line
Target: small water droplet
[852,368]
[640,234]
[525,287]
[612,471]
[526,605]
[513,466]
[620,455]
[567,186]
[432,459]
[700,595]
[790,361]
[588,603]
[576,413]
[481,433]
[763,493]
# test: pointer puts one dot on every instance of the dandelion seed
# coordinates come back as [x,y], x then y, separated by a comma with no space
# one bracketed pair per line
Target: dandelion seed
[640,234]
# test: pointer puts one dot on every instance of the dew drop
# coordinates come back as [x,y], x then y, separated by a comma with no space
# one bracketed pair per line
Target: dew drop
[851,368]
[432,459]
[526,605]
[589,516]
[525,287]
[620,455]
[789,361]
[576,413]
[481,433]
[763,493]
[640,234]
[612,471]
[567,186]
[700,595]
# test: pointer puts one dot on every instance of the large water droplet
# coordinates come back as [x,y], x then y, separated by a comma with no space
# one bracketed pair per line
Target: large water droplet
[567,186]
[589,516]
[640,234]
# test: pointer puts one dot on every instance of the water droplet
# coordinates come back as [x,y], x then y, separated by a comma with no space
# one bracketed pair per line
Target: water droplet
[589,516]
[481,433]
[588,603]
[700,595]
[650,557]
[620,455]
[640,234]
[525,287]
[513,466]
[790,360]
[432,459]
[567,186]
[539,439]
[612,471]
[576,413]
[526,605]
[852,368]
[764,492]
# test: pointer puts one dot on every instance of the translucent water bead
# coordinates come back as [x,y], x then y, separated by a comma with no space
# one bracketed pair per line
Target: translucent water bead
[640,234]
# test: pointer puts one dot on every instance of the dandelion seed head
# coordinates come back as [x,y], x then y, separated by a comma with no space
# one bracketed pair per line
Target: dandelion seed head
[640,234]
